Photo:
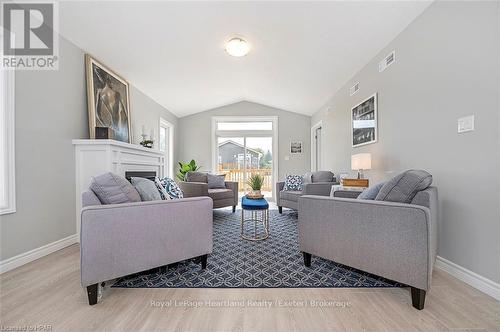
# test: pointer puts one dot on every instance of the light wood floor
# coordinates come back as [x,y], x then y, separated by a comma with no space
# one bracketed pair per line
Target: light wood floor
[48,292]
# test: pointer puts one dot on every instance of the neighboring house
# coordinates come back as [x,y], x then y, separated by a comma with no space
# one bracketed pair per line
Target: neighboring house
[232,154]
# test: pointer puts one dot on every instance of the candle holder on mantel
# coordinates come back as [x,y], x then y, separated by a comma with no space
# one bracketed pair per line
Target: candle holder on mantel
[147,143]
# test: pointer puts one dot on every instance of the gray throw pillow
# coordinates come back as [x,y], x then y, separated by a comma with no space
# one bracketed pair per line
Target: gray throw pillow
[113,189]
[403,187]
[146,189]
[216,181]
[196,177]
[371,192]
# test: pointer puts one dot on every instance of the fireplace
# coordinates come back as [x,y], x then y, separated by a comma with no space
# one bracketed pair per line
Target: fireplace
[150,175]
[97,156]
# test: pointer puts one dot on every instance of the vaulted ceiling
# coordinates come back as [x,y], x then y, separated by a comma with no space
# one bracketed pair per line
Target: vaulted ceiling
[301,52]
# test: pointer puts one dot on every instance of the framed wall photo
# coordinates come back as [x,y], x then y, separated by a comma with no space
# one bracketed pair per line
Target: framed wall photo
[295,147]
[364,122]
[108,100]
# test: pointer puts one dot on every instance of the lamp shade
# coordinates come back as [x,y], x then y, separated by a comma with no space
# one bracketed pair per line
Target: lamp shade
[361,161]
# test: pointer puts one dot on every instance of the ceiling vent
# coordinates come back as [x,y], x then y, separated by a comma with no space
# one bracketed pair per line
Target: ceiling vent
[354,89]
[388,60]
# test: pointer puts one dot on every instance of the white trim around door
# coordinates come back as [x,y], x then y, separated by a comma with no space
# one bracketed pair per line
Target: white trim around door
[247,133]
[315,167]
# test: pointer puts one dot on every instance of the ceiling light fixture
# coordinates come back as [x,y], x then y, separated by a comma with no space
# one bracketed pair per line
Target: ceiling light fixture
[237,47]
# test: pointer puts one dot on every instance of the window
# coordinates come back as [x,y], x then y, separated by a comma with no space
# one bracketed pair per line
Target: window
[163,138]
[254,125]
[7,176]
[166,145]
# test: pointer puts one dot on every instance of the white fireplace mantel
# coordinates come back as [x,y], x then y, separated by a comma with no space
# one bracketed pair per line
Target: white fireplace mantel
[97,156]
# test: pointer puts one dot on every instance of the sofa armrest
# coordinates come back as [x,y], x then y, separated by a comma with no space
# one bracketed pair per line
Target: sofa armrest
[389,239]
[234,187]
[279,187]
[121,239]
[346,193]
[194,189]
[317,188]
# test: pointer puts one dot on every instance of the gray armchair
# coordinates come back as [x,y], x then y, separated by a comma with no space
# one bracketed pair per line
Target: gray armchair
[315,183]
[397,241]
[196,185]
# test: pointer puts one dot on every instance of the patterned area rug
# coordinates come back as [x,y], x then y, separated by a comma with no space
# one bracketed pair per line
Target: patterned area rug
[237,263]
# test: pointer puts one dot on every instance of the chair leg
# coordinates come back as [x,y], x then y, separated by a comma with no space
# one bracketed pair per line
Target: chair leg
[204,260]
[234,208]
[280,209]
[92,292]
[417,298]
[307,259]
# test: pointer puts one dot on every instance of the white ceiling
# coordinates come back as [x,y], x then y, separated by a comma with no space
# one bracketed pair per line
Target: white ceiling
[301,52]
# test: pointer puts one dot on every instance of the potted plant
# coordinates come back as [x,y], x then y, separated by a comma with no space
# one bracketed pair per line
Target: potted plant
[186,167]
[255,182]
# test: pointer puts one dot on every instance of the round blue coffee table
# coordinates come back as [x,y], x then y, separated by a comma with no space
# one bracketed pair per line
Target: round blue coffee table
[256,207]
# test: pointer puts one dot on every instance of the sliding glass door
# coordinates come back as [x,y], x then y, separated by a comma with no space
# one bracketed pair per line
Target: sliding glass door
[244,148]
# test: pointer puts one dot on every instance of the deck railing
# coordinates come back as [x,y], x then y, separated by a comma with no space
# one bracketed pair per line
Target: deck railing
[237,175]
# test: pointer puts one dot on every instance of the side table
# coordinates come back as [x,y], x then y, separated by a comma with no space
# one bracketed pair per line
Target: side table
[345,192]
[256,207]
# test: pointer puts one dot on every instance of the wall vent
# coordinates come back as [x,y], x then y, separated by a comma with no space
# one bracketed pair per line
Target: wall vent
[388,60]
[354,89]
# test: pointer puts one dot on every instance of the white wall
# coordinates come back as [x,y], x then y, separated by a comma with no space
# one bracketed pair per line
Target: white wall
[447,66]
[51,110]
[195,135]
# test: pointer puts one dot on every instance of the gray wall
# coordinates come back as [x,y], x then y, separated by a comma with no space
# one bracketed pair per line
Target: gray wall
[195,138]
[51,110]
[145,111]
[447,66]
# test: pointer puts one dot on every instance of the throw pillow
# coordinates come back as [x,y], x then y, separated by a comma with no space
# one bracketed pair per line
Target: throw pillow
[113,189]
[172,189]
[163,193]
[196,177]
[216,181]
[146,189]
[371,192]
[293,183]
[403,187]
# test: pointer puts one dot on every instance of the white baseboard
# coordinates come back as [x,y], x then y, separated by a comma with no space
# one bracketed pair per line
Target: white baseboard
[473,279]
[24,258]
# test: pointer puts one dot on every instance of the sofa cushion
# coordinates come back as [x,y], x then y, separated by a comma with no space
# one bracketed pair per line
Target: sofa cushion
[146,189]
[113,189]
[196,177]
[319,176]
[403,187]
[371,192]
[293,183]
[216,181]
[173,190]
[290,195]
[219,193]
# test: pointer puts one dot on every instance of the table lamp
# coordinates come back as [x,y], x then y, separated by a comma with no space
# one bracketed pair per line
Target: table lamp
[360,162]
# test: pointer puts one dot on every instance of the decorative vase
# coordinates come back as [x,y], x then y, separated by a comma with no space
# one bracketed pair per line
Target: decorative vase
[256,193]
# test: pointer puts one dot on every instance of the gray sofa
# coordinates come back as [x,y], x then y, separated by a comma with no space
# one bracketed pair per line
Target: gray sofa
[397,241]
[315,183]
[196,185]
[120,239]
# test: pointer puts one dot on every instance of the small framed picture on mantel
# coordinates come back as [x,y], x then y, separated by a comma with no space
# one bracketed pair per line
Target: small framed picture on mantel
[364,122]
